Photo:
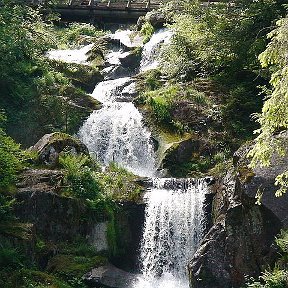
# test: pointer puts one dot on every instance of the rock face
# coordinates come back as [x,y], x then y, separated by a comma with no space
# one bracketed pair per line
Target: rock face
[55,218]
[184,151]
[240,243]
[50,146]
[155,18]
[129,222]
[109,276]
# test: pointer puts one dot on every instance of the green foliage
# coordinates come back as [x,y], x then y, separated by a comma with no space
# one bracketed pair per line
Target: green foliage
[119,184]
[6,206]
[147,31]
[206,39]
[10,257]
[29,84]
[161,101]
[222,42]
[282,241]
[23,278]
[152,80]
[76,33]
[273,118]
[71,267]
[81,179]
[278,276]
[11,160]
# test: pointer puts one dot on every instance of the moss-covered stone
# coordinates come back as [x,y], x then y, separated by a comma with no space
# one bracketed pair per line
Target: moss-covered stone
[51,145]
[74,266]
[83,76]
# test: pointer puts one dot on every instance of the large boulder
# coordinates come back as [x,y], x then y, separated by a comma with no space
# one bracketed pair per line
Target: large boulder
[109,276]
[181,153]
[156,18]
[240,243]
[83,76]
[51,145]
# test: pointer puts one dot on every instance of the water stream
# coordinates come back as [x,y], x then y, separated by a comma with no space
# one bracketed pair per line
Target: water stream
[172,231]
[174,214]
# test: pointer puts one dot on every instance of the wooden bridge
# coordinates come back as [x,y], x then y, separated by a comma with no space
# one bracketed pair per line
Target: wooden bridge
[93,10]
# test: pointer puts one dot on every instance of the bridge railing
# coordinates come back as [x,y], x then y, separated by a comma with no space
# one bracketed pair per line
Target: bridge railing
[147,4]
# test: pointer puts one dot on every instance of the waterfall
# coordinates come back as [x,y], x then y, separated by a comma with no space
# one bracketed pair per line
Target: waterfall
[78,56]
[116,132]
[174,207]
[173,228]
[151,49]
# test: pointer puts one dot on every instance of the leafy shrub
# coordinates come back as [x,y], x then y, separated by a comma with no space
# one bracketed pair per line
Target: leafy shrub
[277,277]
[10,257]
[11,160]
[147,31]
[81,179]
[6,206]
[119,184]
[73,34]
[161,101]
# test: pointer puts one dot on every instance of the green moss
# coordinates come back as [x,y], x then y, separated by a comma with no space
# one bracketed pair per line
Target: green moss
[73,266]
[245,174]
[16,229]
[24,278]
[147,31]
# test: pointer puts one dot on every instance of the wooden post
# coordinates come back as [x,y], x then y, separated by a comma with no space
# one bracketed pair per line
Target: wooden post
[148,4]
[128,4]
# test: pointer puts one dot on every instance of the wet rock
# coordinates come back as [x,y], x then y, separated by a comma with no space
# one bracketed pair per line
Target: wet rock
[129,223]
[131,60]
[240,243]
[184,151]
[42,180]
[83,76]
[156,19]
[54,217]
[51,145]
[109,276]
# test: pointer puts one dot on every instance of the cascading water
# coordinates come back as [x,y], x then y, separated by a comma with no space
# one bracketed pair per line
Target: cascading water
[151,49]
[116,133]
[173,228]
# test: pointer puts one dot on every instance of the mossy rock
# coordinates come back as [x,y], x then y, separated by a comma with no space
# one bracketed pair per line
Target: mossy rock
[51,145]
[75,266]
[29,278]
[82,76]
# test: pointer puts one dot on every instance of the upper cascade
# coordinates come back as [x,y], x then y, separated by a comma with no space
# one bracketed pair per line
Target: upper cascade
[151,49]
[116,133]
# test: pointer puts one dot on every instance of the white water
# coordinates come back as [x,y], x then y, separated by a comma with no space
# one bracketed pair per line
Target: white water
[78,56]
[116,132]
[173,228]
[128,38]
[151,49]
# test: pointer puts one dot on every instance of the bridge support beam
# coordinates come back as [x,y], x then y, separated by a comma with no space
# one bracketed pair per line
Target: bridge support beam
[148,4]
[128,4]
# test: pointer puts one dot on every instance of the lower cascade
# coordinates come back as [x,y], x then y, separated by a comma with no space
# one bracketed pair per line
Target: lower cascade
[173,228]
